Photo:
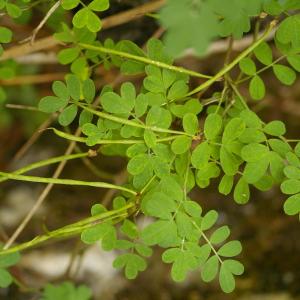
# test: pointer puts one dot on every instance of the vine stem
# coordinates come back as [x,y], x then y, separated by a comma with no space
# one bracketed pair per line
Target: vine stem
[65,182]
[47,162]
[231,65]
[132,123]
[144,60]
[262,69]
[208,242]
[75,228]
[106,142]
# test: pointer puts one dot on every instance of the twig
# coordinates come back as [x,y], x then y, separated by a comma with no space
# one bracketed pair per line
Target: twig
[42,23]
[33,79]
[21,107]
[42,196]
[109,22]
[33,138]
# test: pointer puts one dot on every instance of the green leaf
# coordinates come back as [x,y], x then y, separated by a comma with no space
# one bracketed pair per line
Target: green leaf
[228,161]
[192,208]
[113,103]
[292,205]
[129,229]
[294,61]
[292,172]
[13,10]
[73,86]
[69,4]
[210,269]
[66,56]
[212,126]
[234,266]
[150,138]
[160,232]
[178,90]
[66,291]
[51,104]
[80,19]
[98,232]
[288,31]
[264,53]
[171,188]
[297,149]
[230,249]
[241,193]
[159,117]
[190,123]
[211,170]
[188,27]
[99,5]
[137,164]
[257,88]
[160,206]
[254,152]
[251,119]
[247,66]
[281,147]
[226,279]
[209,220]
[68,115]
[181,144]
[160,167]
[293,159]
[290,186]
[88,90]
[254,171]
[9,259]
[252,135]
[276,128]
[201,155]
[233,130]
[132,264]
[143,250]
[226,184]
[5,35]
[284,74]
[5,278]
[220,235]
[60,90]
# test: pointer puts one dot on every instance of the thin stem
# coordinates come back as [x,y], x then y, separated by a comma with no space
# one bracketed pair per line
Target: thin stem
[236,91]
[131,123]
[105,142]
[65,182]
[208,242]
[47,162]
[144,60]
[72,229]
[263,69]
[230,66]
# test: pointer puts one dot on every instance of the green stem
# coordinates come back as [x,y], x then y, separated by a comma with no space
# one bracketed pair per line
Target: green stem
[230,66]
[106,142]
[131,123]
[208,242]
[73,229]
[47,162]
[65,182]
[262,69]
[144,60]
[236,91]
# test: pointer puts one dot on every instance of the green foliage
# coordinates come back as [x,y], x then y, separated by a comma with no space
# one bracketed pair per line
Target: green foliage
[66,291]
[86,16]
[7,261]
[172,139]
